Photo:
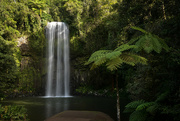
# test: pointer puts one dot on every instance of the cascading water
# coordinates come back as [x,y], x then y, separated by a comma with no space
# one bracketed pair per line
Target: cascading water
[58,71]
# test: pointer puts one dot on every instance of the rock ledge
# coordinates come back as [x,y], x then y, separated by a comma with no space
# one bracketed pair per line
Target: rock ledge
[80,116]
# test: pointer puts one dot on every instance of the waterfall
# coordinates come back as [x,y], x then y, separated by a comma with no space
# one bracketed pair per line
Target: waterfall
[58,69]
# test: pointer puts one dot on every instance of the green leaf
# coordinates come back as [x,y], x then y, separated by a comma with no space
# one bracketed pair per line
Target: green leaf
[114,64]
[97,55]
[138,116]
[134,104]
[139,29]
[113,55]
[145,105]
[125,47]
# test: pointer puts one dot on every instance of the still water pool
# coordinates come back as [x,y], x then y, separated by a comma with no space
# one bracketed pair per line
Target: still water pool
[40,108]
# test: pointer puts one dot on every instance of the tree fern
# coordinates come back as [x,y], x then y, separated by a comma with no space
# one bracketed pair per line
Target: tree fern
[115,58]
[162,97]
[100,61]
[114,64]
[133,59]
[134,104]
[148,42]
[134,39]
[113,55]
[145,105]
[98,55]
[141,110]
[138,116]
[153,108]
[125,47]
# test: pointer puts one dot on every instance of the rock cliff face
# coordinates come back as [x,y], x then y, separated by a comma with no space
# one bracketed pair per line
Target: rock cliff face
[26,59]
[30,81]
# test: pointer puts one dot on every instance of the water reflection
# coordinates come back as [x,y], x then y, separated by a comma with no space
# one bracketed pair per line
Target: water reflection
[56,105]
[40,108]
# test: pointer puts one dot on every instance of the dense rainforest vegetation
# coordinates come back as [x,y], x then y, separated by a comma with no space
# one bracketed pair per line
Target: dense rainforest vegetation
[149,29]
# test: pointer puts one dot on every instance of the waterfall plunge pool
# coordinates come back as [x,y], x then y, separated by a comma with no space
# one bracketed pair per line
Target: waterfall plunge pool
[41,108]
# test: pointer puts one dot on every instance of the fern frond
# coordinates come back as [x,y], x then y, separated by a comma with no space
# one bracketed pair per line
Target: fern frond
[138,116]
[132,59]
[100,61]
[114,64]
[93,66]
[125,47]
[162,97]
[134,39]
[140,43]
[135,104]
[139,29]
[127,59]
[153,108]
[113,55]
[97,55]
[156,44]
[149,42]
[139,59]
[145,105]
[163,43]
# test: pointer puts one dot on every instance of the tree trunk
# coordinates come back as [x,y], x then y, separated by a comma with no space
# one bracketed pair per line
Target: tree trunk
[113,82]
[118,101]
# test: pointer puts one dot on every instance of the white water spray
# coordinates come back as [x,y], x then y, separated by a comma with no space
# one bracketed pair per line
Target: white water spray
[58,73]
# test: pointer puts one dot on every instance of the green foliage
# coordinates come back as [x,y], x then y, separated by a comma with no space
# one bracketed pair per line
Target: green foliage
[114,59]
[138,109]
[100,25]
[144,105]
[148,42]
[142,110]
[41,8]
[138,116]
[87,20]
[13,113]
[134,104]
[87,90]
[17,20]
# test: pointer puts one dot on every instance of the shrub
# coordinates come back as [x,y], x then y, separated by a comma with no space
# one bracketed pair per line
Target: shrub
[12,113]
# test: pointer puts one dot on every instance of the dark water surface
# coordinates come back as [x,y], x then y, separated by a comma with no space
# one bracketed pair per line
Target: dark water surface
[40,108]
